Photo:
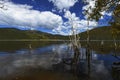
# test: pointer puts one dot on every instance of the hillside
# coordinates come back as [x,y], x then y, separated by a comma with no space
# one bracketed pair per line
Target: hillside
[102,33]
[12,33]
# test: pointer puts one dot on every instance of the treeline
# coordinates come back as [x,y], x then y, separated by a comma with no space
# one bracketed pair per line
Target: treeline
[102,33]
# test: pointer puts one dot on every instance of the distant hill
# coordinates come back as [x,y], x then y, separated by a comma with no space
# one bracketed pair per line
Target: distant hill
[102,33]
[13,33]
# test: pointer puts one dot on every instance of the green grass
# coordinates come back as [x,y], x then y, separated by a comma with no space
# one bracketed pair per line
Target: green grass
[12,33]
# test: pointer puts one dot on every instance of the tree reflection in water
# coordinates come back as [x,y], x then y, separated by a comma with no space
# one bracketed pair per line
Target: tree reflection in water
[55,61]
[87,67]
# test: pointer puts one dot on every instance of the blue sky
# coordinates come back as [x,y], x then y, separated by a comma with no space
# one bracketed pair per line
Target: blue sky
[51,16]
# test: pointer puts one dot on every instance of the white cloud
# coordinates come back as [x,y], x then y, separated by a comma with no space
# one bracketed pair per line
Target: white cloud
[91,23]
[105,13]
[63,4]
[90,5]
[76,23]
[71,16]
[80,27]
[24,15]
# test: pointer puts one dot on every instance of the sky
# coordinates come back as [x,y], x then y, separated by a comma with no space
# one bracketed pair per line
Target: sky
[51,16]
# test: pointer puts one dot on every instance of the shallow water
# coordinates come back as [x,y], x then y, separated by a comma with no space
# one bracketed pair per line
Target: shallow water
[44,61]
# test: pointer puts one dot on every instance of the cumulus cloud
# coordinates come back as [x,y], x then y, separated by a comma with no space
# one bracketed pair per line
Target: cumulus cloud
[103,13]
[63,4]
[74,23]
[24,15]
[81,26]
[89,7]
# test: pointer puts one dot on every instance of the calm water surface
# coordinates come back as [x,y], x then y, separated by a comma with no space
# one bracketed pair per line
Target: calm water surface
[44,61]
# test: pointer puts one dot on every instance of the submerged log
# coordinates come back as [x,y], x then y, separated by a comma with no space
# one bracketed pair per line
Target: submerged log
[116,66]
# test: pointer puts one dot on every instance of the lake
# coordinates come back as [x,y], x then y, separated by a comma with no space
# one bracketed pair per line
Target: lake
[44,60]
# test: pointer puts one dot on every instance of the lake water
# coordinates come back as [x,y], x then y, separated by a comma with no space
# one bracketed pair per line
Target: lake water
[42,60]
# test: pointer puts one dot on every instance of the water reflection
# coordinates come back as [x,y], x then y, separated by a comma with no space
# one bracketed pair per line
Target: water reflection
[51,57]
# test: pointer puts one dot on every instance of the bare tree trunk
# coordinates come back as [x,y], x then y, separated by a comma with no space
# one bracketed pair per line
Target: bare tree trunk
[88,50]
[115,46]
